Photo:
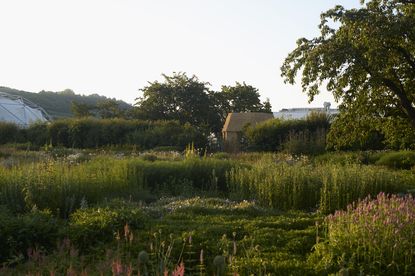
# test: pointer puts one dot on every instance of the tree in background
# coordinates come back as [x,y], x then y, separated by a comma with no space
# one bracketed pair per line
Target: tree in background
[80,110]
[109,108]
[182,98]
[368,63]
[243,98]
[189,100]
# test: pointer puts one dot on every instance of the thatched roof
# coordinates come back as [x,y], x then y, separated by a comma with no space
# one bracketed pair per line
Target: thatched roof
[237,121]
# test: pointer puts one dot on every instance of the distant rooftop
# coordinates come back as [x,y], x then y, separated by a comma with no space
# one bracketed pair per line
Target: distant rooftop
[237,121]
[302,112]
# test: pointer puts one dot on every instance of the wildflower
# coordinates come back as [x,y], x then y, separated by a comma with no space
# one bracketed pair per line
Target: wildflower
[126,231]
[201,257]
[179,271]
[116,267]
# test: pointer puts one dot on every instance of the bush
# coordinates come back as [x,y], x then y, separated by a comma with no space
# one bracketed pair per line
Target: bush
[9,133]
[92,226]
[299,136]
[36,229]
[305,142]
[398,160]
[373,237]
[37,134]
[94,133]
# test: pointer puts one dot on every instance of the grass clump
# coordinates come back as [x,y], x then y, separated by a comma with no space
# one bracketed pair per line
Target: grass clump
[372,237]
[398,160]
[306,187]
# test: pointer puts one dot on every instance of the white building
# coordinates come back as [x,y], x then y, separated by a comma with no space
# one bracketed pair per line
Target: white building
[301,113]
[15,109]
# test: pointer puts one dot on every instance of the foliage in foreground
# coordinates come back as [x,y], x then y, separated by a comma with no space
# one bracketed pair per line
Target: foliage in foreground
[203,235]
[374,237]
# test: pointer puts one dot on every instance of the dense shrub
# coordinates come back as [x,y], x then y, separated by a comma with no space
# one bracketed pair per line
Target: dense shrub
[95,133]
[398,160]
[92,226]
[9,132]
[36,229]
[373,237]
[36,134]
[299,136]
[92,133]
[167,134]
[350,132]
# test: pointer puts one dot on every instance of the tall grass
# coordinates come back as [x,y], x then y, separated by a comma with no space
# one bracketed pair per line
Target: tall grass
[325,187]
[63,187]
[280,186]
[202,174]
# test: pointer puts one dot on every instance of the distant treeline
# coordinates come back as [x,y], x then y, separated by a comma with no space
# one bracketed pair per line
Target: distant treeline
[59,104]
[94,133]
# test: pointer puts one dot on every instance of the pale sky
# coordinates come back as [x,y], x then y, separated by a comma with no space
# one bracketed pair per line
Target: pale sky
[114,47]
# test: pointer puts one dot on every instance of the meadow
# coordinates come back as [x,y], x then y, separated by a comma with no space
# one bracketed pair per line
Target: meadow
[123,212]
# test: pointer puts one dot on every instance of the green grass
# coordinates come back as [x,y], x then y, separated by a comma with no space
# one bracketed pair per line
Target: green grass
[265,205]
[306,187]
[252,239]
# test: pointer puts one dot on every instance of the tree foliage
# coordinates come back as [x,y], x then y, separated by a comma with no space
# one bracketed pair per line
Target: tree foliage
[81,109]
[243,98]
[189,100]
[179,97]
[366,58]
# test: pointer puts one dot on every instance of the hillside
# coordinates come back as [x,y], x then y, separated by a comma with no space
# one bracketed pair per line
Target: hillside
[58,104]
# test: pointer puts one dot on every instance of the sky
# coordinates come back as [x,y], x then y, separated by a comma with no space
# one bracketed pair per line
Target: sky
[115,47]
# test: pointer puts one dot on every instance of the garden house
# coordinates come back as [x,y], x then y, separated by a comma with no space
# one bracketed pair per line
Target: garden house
[234,125]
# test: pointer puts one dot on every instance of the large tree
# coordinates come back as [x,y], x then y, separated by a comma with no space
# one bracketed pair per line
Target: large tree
[244,98]
[189,100]
[182,98]
[365,57]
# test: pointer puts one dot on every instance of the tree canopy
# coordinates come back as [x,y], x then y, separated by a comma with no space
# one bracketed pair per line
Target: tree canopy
[189,100]
[244,98]
[179,97]
[366,58]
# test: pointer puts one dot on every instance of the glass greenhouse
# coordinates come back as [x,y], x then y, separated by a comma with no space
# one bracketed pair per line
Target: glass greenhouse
[20,111]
